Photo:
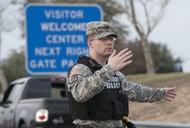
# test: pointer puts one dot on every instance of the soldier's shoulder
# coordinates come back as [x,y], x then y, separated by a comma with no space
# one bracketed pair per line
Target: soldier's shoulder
[80,69]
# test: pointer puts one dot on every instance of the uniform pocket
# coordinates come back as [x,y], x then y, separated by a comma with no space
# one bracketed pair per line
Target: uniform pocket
[101,111]
[124,99]
[117,109]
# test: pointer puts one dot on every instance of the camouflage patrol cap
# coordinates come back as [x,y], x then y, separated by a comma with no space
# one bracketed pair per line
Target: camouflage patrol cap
[99,29]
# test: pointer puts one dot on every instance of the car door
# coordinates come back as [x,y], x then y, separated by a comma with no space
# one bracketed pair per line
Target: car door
[8,106]
[3,106]
[1,114]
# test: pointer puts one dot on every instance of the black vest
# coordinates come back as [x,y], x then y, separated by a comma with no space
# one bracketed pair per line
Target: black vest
[108,104]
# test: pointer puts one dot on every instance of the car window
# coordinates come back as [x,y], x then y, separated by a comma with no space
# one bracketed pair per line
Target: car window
[45,89]
[15,94]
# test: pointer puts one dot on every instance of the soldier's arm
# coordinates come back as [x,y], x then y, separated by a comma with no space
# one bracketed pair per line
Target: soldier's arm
[83,84]
[141,93]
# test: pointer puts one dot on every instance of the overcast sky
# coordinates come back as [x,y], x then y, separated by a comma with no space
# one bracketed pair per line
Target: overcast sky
[173,30]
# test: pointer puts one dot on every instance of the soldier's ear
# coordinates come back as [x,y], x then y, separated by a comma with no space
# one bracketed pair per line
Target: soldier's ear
[90,43]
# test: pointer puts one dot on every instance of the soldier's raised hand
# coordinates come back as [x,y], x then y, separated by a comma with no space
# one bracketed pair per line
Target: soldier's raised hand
[117,61]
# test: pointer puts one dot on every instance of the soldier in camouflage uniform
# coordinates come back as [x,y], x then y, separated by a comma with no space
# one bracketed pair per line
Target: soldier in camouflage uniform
[96,87]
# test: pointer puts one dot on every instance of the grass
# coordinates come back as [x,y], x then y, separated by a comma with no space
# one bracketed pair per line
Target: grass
[157,78]
[176,111]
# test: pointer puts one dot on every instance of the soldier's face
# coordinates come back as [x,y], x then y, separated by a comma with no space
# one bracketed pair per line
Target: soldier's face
[103,46]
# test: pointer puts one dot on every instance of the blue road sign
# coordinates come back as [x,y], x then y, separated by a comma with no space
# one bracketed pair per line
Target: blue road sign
[56,36]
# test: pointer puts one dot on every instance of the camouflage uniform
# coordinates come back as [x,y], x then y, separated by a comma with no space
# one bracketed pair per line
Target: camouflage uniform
[83,85]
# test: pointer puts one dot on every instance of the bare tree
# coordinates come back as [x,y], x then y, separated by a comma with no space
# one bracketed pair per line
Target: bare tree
[3,80]
[6,25]
[150,13]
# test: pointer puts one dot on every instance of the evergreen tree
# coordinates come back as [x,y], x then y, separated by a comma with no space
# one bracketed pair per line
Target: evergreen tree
[14,65]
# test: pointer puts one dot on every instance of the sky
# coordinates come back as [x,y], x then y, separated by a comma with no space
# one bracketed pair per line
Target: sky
[173,30]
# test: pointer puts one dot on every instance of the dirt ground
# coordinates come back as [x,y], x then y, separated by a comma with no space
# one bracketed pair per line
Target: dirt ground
[177,111]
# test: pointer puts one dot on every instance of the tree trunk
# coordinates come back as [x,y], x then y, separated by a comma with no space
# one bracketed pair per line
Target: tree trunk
[3,81]
[148,56]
